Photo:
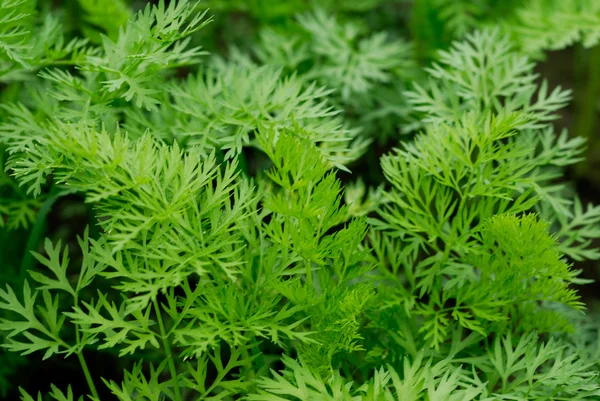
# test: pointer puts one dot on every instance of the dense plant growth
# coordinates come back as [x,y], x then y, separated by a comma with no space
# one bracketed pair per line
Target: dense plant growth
[294,200]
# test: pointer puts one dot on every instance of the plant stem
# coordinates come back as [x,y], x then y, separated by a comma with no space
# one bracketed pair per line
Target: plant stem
[88,377]
[246,356]
[167,346]
[309,277]
[84,367]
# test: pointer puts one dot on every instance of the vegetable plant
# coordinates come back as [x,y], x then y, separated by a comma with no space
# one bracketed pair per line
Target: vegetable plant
[293,200]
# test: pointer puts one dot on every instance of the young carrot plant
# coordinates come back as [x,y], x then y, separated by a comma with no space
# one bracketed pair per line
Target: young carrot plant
[227,255]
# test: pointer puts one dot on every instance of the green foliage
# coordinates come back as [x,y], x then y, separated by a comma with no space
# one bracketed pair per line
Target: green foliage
[367,71]
[222,108]
[16,16]
[347,62]
[484,74]
[226,254]
[534,26]
[519,370]
[28,42]
[552,25]
[458,186]
[269,10]
[104,17]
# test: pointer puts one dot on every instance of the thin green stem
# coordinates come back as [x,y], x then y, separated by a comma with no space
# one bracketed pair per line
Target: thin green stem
[167,347]
[246,356]
[84,367]
[309,277]
[86,372]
